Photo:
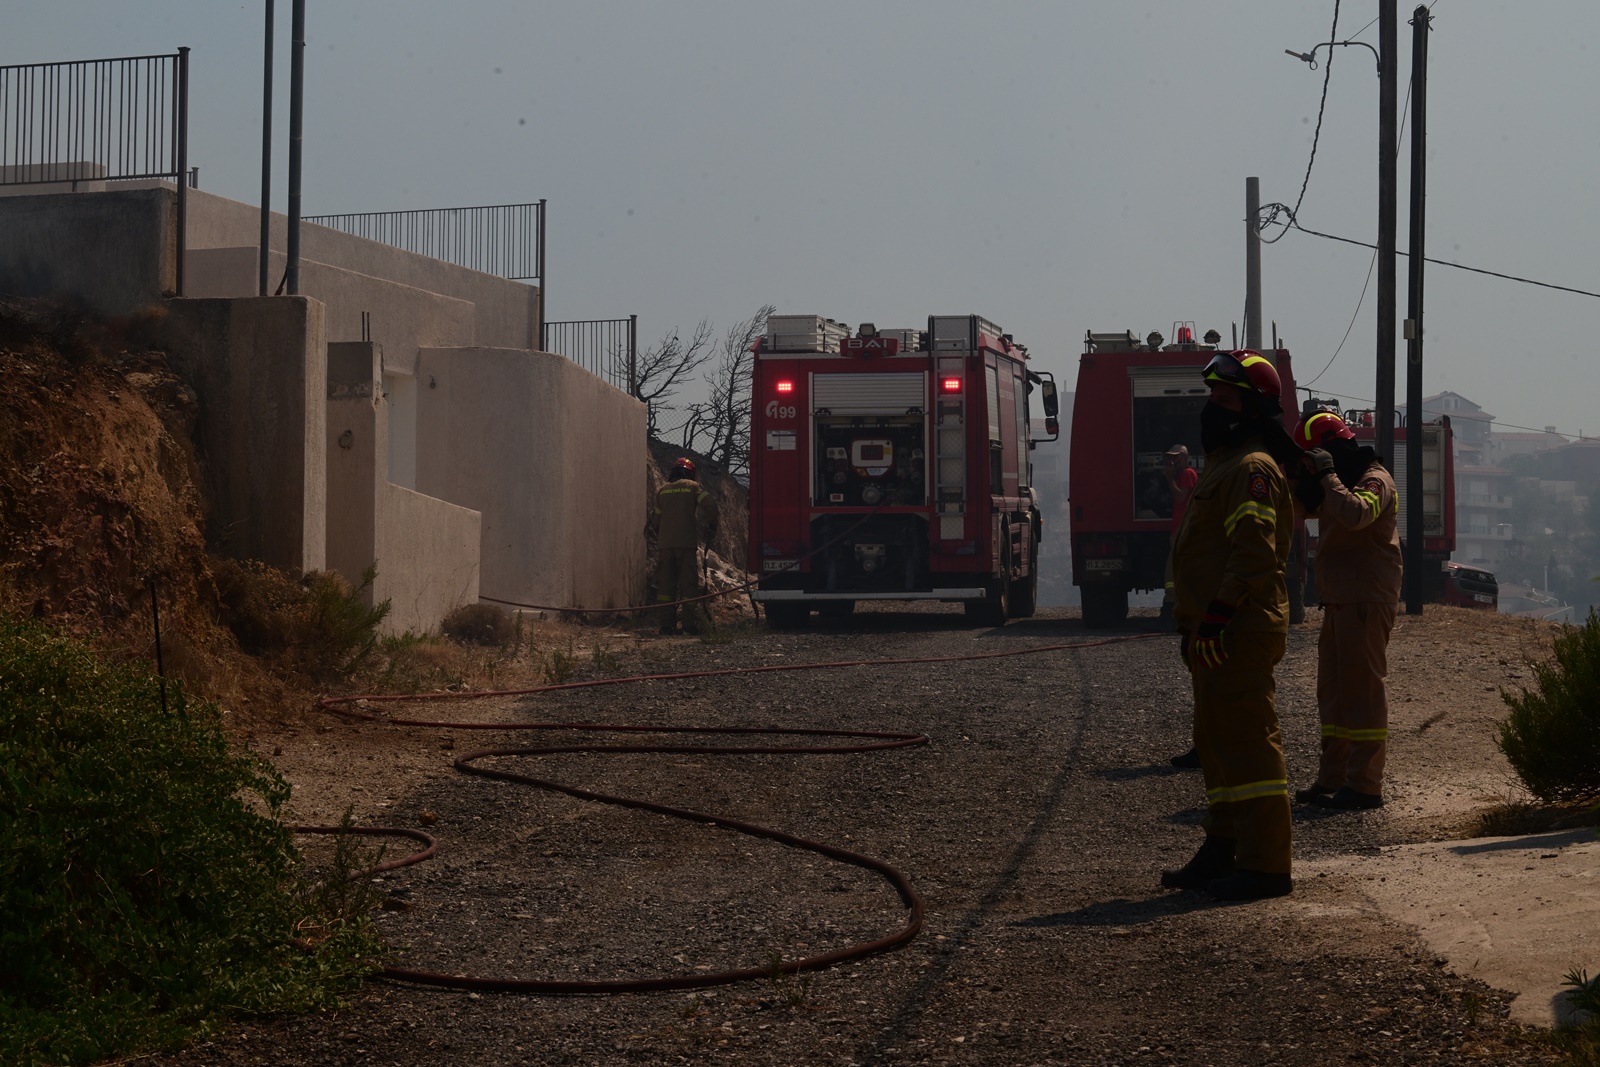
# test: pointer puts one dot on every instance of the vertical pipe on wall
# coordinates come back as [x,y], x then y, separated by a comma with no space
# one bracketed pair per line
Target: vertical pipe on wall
[266,158]
[297,78]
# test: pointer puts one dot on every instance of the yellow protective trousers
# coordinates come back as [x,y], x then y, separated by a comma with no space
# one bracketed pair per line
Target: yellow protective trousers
[1241,750]
[1352,662]
[678,578]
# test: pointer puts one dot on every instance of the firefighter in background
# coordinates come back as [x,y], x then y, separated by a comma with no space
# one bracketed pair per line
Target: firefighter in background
[1181,478]
[1233,612]
[1354,501]
[682,510]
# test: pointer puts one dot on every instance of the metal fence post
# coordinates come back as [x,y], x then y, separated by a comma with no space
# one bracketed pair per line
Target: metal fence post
[633,355]
[183,161]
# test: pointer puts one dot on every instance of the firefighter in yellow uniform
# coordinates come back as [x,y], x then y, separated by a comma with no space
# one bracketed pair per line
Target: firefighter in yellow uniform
[1354,500]
[1232,609]
[682,510]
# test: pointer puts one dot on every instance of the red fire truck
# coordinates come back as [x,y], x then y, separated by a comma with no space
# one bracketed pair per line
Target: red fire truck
[893,465]
[1135,400]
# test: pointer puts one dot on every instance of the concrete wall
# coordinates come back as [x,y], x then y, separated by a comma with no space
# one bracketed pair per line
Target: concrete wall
[551,457]
[426,550]
[505,313]
[112,251]
[259,367]
[31,179]
[402,321]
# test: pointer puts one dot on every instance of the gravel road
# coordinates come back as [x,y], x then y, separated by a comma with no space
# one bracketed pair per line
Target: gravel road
[1035,824]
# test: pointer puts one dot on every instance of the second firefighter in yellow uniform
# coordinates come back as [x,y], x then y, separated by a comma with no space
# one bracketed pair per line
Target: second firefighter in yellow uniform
[1232,608]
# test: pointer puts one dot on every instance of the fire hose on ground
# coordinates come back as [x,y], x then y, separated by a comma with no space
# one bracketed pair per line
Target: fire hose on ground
[853,741]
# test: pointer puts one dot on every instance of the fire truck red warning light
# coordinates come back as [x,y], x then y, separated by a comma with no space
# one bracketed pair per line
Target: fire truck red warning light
[785,386]
[950,385]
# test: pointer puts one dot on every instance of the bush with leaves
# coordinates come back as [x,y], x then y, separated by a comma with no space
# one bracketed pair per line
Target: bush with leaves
[319,624]
[146,882]
[1552,736]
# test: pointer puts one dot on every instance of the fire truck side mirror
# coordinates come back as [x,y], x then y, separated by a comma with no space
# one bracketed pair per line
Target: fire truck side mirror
[1047,393]
[1052,426]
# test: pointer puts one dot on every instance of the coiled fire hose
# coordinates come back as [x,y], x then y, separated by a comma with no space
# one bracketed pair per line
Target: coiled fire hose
[857,741]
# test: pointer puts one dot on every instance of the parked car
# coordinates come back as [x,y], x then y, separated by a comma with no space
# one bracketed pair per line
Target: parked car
[1470,587]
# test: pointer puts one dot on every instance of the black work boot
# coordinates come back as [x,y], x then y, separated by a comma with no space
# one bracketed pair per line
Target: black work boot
[1188,761]
[1312,794]
[1213,861]
[1250,885]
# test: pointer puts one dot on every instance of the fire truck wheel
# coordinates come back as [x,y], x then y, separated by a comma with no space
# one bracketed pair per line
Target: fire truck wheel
[1024,595]
[1104,605]
[783,615]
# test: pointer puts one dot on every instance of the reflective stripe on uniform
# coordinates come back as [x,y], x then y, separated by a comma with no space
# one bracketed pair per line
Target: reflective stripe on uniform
[1265,512]
[1230,794]
[1345,733]
[1371,500]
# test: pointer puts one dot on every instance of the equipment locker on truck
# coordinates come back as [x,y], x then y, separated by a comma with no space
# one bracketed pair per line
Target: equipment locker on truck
[894,465]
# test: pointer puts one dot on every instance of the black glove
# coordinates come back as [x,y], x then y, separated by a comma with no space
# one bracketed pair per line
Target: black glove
[1319,461]
[1208,645]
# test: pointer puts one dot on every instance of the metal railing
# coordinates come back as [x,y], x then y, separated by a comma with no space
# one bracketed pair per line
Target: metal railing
[608,348]
[98,120]
[502,239]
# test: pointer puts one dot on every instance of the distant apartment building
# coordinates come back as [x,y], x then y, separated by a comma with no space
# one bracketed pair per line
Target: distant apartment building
[1484,530]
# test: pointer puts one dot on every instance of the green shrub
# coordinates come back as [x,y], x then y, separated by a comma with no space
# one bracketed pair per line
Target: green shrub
[479,624]
[1552,736]
[319,624]
[146,883]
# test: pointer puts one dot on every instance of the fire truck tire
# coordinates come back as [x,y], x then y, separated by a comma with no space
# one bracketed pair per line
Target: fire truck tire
[1023,596]
[1104,605]
[786,615]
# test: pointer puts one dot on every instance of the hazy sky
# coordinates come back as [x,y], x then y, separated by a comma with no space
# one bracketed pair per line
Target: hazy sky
[1057,167]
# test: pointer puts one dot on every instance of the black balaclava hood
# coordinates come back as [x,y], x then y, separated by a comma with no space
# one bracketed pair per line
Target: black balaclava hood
[1260,417]
[1351,461]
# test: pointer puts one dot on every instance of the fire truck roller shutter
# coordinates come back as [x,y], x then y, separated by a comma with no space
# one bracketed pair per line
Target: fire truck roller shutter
[893,393]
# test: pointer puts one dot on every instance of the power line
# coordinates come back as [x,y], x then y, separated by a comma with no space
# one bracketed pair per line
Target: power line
[1316,137]
[1353,316]
[1295,224]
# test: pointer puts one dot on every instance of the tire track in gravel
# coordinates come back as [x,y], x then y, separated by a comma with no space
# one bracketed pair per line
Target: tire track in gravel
[918,999]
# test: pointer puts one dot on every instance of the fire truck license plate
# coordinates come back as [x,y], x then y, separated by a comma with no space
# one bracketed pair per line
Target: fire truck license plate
[1103,564]
[777,564]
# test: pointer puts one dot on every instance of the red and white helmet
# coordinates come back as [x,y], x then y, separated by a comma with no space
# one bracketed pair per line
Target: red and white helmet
[684,464]
[1321,429]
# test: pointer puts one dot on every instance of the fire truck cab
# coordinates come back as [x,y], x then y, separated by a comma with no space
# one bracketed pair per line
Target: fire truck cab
[1135,400]
[893,465]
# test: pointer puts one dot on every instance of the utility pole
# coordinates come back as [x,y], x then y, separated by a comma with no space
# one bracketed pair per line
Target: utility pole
[1252,267]
[1419,167]
[264,281]
[1388,154]
[297,99]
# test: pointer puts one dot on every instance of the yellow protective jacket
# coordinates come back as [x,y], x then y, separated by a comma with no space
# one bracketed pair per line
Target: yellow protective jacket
[1233,544]
[1358,540]
[682,509]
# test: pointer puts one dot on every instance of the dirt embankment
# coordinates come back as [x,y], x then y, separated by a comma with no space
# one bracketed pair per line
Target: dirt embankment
[100,502]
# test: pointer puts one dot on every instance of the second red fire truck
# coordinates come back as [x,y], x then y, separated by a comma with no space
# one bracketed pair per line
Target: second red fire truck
[894,465]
